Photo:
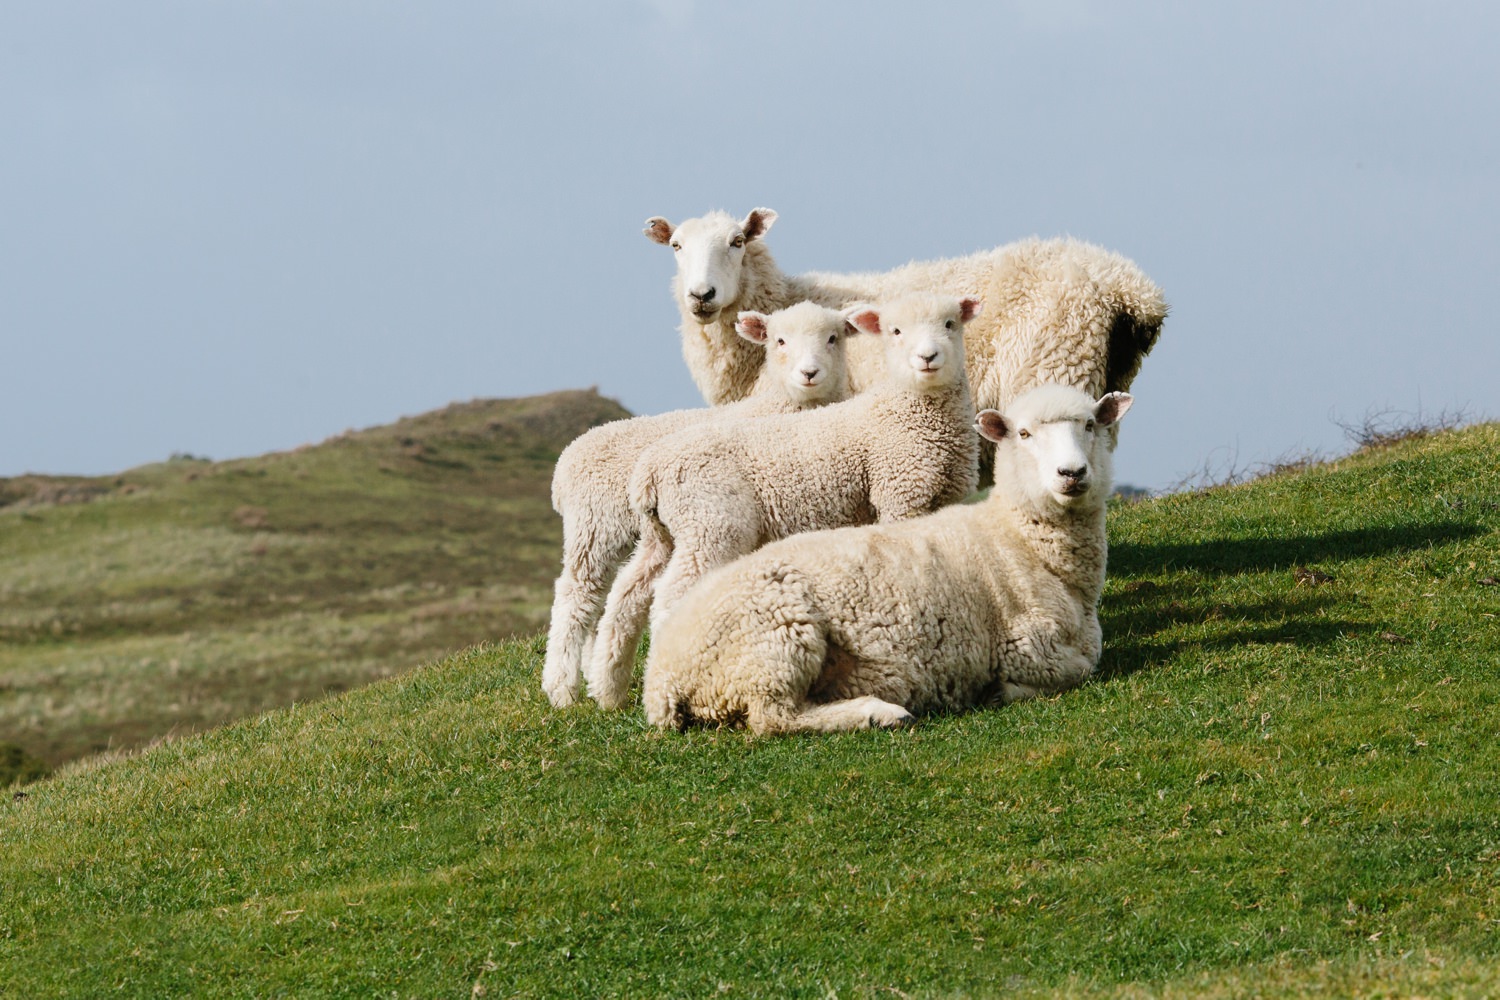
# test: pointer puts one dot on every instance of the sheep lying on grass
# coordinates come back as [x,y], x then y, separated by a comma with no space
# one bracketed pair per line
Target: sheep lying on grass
[718,491]
[859,627]
[1056,311]
[804,367]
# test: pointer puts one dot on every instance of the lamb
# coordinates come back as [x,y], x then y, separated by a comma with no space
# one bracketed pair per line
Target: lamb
[715,492]
[804,367]
[975,605]
[1058,310]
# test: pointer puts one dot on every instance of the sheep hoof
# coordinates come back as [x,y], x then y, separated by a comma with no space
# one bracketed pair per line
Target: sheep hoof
[560,694]
[609,699]
[891,717]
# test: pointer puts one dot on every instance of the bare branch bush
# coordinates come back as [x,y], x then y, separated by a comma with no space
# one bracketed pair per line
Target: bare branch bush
[1385,426]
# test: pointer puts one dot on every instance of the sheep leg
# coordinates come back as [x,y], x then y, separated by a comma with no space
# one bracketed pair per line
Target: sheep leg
[867,712]
[693,558]
[589,563]
[792,657]
[1044,663]
[1012,693]
[612,659]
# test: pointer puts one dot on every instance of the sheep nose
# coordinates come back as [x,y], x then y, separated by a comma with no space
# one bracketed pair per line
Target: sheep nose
[930,357]
[704,296]
[809,373]
[1078,473]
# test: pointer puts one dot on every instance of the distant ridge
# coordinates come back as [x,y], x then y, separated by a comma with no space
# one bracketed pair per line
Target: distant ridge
[186,593]
[550,420]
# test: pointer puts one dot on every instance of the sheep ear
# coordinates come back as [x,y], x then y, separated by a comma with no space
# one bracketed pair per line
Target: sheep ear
[1111,407]
[969,307]
[991,425]
[758,223]
[752,326]
[659,230]
[867,320]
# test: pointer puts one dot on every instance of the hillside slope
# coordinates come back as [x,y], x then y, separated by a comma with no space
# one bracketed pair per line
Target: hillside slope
[184,594]
[1282,784]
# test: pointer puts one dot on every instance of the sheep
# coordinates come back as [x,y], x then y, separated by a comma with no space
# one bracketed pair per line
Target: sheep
[714,492]
[1057,310]
[987,603]
[804,367]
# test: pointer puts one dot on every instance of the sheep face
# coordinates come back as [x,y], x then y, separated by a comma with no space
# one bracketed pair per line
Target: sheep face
[804,349]
[923,337]
[1053,447]
[710,257]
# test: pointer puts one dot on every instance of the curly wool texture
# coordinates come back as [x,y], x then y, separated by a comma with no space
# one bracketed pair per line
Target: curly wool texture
[711,493]
[590,486]
[862,626]
[1060,311]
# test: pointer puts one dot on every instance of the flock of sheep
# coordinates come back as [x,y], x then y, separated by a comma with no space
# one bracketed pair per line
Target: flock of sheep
[797,547]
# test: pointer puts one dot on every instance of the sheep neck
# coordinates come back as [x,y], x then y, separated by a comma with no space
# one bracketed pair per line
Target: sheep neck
[1069,544]
[944,400]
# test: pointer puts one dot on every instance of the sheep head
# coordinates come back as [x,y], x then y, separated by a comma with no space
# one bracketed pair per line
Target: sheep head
[804,349]
[710,257]
[923,337]
[1052,449]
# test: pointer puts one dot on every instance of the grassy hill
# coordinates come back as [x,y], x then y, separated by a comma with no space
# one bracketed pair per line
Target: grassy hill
[181,595]
[1282,783]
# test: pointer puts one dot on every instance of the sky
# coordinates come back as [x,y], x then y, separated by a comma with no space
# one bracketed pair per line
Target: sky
[235,227]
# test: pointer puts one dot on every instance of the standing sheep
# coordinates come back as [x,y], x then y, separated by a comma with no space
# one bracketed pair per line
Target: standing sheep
[980,604]
[711,493]
[1057,310]
[804,367]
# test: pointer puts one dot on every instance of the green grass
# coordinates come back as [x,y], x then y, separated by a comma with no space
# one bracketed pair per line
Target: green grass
[1273,788]
[181,595]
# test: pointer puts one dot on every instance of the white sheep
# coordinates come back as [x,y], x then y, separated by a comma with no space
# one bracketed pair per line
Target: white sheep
[804,367]
[1058,310]
[979,604]
[711,493]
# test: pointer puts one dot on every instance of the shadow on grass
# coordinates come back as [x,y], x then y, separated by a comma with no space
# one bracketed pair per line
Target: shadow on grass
[1138,619]
[1251,555]
[1136,623]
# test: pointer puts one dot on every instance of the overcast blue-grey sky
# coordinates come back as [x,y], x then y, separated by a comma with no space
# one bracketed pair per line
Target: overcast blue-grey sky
[232,227]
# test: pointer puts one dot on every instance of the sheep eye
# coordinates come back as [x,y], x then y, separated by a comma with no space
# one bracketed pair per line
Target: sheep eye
[738,241]
[833,338]
[676,245]
[1025,433]
[1089,426]
[895,333]
[780,341]
[949,324]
